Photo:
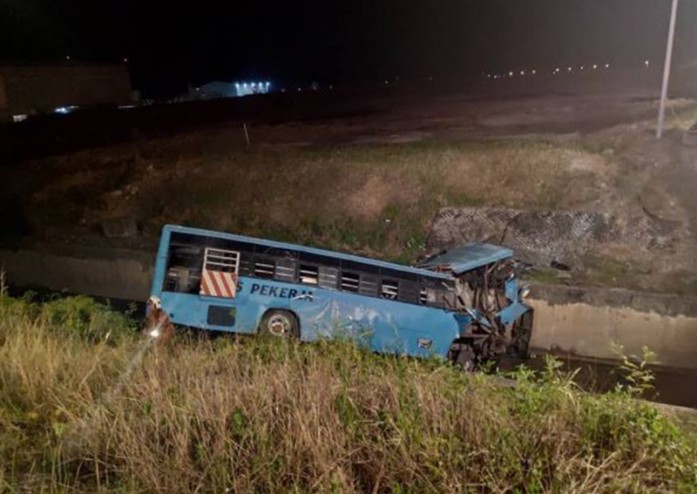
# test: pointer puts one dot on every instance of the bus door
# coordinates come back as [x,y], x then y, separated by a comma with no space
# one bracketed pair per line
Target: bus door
[218,290]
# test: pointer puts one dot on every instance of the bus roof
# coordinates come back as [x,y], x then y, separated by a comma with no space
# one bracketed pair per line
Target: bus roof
[467,257]
[308,250]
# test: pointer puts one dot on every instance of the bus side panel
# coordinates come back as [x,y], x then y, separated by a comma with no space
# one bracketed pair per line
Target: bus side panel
[310,304]
[395,327]
[253,298]
[185,309]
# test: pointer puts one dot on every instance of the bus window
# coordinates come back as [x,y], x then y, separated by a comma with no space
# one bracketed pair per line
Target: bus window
[247,264]
[309,274]
[227,261]
[264,267]
[350,281]
[328,277]
[409,291]
[183,273]
[285,270]
[368,285]
[423,296]
[389,289]
[361,278]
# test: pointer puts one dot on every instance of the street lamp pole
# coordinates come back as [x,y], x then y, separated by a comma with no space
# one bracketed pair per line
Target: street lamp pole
[666,70]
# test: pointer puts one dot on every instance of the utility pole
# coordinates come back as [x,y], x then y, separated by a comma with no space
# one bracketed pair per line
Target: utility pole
[666,70]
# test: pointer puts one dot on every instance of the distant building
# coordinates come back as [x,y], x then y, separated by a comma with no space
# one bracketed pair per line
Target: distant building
[219,89]
[31,90]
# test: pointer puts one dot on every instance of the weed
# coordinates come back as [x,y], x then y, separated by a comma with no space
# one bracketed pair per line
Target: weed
[262,415]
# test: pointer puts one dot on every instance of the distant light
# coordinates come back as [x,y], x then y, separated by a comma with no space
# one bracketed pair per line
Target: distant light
[67,57]
[569,69]
[19,118]
[607,65]
[534,72]
[63,110]
[300,90]
[522,72]
[125,59]
[582,67]
[488,76]
[386,82]
[510,74]
[595,66]
[125,107]
[331,86]
[557,69]
[646,63]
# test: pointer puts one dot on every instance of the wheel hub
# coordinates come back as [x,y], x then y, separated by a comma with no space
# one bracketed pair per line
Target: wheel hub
[279,326]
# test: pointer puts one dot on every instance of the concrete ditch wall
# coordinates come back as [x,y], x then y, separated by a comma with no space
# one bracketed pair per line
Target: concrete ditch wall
[580,321]
[586,321]
[114,273]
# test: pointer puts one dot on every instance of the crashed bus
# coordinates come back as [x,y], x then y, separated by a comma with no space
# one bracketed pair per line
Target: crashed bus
[464,304]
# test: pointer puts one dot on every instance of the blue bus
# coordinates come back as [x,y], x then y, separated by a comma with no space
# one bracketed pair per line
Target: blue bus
[464,304]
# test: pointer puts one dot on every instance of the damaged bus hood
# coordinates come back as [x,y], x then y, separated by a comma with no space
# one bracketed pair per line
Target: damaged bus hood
[466,258]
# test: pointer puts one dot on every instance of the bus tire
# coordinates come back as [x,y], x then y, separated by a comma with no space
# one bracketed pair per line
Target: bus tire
[281,324]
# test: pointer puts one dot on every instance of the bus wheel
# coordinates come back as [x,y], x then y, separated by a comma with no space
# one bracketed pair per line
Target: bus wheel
[280,323]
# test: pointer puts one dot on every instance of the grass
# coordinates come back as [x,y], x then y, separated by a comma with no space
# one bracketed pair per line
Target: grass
[376,199]
[682,119]
[257,415]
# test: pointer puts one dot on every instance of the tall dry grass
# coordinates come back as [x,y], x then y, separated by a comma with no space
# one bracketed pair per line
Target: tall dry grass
[265,416]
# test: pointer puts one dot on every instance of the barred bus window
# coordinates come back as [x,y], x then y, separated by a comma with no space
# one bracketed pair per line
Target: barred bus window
[389,289]
[309,274]
[350,282]
[264,268]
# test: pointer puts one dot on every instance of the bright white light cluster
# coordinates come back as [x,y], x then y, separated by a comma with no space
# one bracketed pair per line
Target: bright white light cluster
[64,110]
[246,88]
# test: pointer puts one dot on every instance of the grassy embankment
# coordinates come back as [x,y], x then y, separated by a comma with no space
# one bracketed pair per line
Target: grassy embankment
[376,199]
[77,413]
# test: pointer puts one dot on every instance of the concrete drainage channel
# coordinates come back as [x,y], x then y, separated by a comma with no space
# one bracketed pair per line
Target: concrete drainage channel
[578,324]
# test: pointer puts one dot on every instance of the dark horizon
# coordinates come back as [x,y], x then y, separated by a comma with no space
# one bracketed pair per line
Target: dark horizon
[345,42]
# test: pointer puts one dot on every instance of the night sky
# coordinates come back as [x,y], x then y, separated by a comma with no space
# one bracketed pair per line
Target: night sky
[339,41]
